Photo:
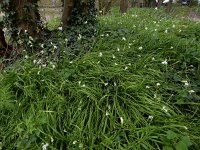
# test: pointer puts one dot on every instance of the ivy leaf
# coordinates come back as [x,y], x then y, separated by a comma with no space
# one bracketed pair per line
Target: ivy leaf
[186,140]
[167,148]
[171,135]
[181,145]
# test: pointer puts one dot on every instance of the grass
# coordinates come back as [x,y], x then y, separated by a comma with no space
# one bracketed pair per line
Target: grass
[138,88]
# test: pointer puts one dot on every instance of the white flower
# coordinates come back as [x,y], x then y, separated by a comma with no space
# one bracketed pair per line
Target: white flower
[129,64]
[186,83]
[166,31]
[64,130]
[83,85]
[171,47]
[164,109]
[85,22]
[150,117]
[31,38]
[124,39]
[146,28]
[105,84]
[71,62]
[173,26]
[44,147]
[154,96]
[53,66]
[107,113]
[191,91]
[180,30]
[55,47]
[116,64]
[74,142]
[153,58]
[118,49]
[121,120]
[20,41]
[60,28]
[156,8]
[126,68]
[147,87]
[66,40]
[158,84]
[80,145]
[139,55]
[79,37]
[113,56]
[140,48]
[26,56]
[42,52]
[107,35]
[155,29]
[100,54]
[165,62]
[102,35]
[115,84]
[34,61]
[42,45]
[39,61]
[52,139]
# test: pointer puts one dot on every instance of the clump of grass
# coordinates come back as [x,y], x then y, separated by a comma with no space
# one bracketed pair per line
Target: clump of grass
[136,89]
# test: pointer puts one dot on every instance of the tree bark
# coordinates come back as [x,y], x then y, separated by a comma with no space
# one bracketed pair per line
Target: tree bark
[107,7]
[123,6]
[159,3]
[97,5]
[67,11]
[4,47]
[169,6]
[27,15]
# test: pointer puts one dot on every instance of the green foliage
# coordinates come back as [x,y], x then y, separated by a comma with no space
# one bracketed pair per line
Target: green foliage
[137,88]
[181,142]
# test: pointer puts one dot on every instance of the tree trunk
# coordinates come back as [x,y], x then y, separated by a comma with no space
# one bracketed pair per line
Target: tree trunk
[138,3]
[169,6]
[27,15]
[67,11]
[123,6]
[97,5]
[107,7]
[159,3]
[4,47]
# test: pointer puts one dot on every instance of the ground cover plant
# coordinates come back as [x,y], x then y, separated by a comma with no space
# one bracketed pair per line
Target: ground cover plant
[136,87]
